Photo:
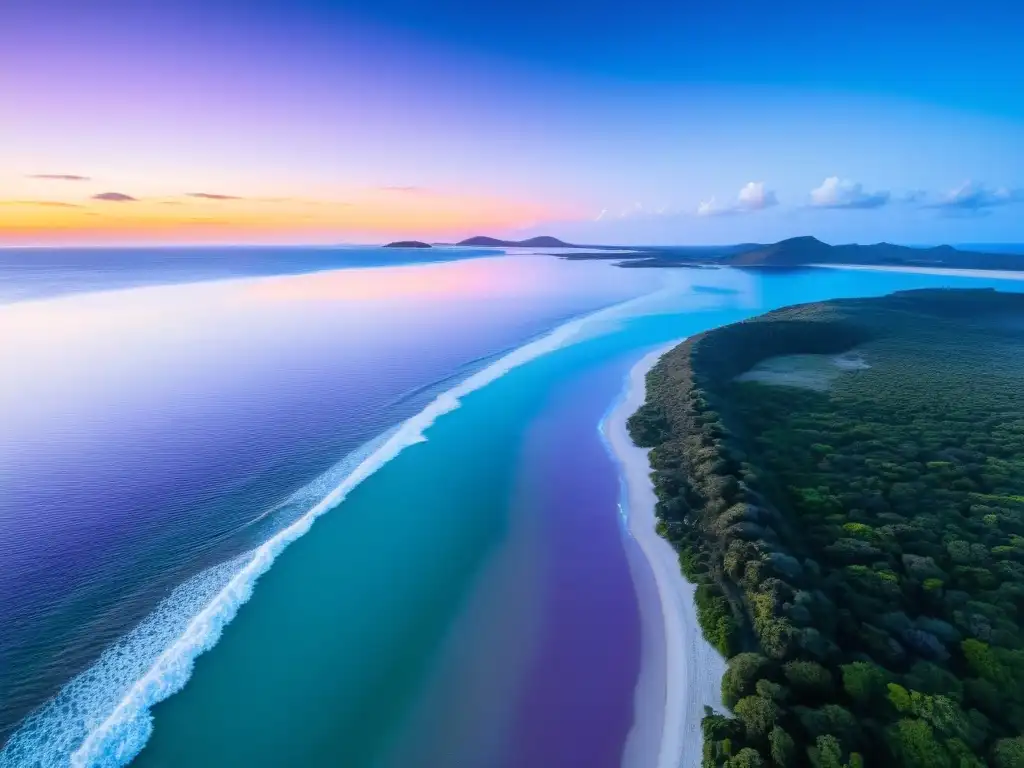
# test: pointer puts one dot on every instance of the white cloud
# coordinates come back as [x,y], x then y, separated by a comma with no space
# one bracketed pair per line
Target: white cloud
[843,193]
[709,208]
[971,197]
[753,197]
[636,209]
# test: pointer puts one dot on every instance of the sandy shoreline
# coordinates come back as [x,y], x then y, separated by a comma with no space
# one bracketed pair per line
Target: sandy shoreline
[997,274]
[680,672]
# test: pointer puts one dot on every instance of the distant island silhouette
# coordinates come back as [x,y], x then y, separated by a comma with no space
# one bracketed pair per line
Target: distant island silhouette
[544,241]
[792,253]
[408,244]
[807,251]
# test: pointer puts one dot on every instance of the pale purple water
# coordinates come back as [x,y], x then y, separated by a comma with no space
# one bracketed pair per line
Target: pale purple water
[577,707]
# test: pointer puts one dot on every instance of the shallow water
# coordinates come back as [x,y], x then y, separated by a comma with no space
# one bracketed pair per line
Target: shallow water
[469,603]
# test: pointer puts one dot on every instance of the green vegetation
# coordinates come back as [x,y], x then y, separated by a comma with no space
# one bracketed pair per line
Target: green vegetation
[859,551]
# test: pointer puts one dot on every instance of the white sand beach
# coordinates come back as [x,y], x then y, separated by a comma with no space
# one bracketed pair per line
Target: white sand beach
[994,274]
[680,672]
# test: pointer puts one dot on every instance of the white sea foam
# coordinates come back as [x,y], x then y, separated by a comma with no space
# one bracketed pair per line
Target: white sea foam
[102,717]
[50,735]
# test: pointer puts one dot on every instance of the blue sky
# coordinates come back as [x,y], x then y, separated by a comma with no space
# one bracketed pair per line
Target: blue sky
[653,122]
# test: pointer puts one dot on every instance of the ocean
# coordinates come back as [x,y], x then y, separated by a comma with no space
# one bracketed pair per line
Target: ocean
[464,596]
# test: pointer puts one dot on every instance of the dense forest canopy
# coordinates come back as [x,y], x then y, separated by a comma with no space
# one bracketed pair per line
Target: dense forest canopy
[859,551]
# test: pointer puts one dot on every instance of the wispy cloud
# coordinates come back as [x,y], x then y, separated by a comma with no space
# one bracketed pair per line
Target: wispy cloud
[712,208]
[43,203]
[114,197]
[59,176]
[211,196]
[845,194]
[976,198]
[401,188]
[636,210]
[753,197]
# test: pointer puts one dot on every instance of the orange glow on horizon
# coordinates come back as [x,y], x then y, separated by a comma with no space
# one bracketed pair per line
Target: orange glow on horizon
[370,214]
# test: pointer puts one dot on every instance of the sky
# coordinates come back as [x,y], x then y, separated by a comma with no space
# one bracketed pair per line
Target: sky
[659,122]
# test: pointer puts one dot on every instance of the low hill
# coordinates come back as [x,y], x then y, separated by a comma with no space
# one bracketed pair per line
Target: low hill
[801,251]
[408,244]
[797,252]
[543,241]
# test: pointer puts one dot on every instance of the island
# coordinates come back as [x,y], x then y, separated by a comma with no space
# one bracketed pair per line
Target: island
[801,252]
[844,484]
[408,244]
[793,253]
[543,241]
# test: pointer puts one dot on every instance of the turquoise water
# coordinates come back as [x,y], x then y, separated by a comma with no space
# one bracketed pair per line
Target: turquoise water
[463,599]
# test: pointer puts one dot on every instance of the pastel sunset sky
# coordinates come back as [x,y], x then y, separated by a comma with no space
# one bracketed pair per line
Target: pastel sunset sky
[666,121]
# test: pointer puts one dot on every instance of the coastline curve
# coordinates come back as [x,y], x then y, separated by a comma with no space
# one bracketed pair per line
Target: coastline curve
[680,672]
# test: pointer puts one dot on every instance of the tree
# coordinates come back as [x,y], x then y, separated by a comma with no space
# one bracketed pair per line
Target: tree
[930,678]
[983,662]
[963,756]
[769,690]
[830,719]
[719,733]
[783,750]
[899,697]
[809,677]
[983,695]
[715,618]
[826,752]
[1009,753]
[745,758]
[913,742]
[945,716]
[716,727]
[742,674]
[777,638]
[864,682]
[757,714]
